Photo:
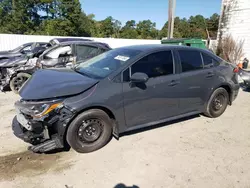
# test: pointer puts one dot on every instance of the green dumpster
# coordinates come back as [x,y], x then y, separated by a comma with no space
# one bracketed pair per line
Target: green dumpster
[198,43]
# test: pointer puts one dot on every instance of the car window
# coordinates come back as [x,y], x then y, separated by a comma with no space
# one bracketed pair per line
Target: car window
[125,75]
[27,48]
[207,60]
[190,60]
[85,52]
[55,53]
[155,64]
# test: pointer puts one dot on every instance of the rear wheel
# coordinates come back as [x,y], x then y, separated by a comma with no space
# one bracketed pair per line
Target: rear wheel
[89,131]
[17,81]
[217,103]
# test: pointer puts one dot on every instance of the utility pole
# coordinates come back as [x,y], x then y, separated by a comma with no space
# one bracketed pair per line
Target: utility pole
[171,13]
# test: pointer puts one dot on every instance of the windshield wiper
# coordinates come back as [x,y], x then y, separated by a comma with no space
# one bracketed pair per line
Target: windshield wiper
[76,69]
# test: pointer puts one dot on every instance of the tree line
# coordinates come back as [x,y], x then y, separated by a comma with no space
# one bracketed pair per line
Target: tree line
[66,18]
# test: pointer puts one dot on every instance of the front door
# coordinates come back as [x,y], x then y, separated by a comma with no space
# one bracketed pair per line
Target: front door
[157,99]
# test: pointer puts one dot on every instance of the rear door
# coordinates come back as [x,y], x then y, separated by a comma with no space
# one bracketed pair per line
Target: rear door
[196,80]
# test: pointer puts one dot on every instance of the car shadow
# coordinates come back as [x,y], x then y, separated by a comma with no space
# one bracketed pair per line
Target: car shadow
[156,126]
[121,185]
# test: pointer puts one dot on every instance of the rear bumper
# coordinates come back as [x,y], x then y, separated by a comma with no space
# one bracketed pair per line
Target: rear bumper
[235,92]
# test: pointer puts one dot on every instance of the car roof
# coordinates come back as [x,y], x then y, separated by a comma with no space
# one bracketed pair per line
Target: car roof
[92,43]
[70,39]
[153,47]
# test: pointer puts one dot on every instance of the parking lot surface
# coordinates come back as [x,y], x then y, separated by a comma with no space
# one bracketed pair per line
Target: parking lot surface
[195,152]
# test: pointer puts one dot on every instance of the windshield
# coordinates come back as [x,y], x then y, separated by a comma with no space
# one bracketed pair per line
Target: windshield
[104,64]
[17,48]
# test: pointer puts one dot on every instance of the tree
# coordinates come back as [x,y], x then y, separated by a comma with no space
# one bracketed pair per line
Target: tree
[5,15]
[71,11]
[117,28]
[197,26]
[24,17]
[109,27]
[129,30]
[213,24]
[92,25]
[146,30]
[66,18]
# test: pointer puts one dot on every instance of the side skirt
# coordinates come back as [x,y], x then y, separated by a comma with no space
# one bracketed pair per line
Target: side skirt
[162,121]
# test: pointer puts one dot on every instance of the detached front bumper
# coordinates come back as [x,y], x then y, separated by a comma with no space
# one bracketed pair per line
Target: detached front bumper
[18,129]
[45,135]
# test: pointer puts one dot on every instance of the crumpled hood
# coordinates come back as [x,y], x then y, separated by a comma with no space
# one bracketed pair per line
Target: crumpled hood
[8,54]
[14,61]
[4,52]
[52,83]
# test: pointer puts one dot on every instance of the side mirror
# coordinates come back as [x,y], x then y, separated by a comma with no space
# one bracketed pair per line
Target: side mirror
[139,77]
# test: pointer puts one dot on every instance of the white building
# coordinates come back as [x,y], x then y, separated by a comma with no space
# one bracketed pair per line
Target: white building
[236,21]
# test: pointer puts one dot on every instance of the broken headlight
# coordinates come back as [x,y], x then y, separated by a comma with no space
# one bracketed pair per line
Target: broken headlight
[39,109]
[45,109]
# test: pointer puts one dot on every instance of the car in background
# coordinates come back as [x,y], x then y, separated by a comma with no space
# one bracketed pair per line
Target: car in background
[121,90]
[16,71]
[71,52]
[23,49]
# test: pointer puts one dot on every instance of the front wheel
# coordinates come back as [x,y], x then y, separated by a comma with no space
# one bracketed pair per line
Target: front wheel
[217,103]
[89,131]
[17,81]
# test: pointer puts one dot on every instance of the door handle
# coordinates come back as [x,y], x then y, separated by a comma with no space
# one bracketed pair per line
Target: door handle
[174,82]
[210,74]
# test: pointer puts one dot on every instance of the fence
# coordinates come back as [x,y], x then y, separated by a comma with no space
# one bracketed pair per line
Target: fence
[9,41]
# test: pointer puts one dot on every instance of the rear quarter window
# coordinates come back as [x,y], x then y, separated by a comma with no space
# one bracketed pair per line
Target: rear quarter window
[190,60]
[209,61]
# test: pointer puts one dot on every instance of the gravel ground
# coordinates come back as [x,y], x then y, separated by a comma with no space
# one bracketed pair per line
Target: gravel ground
[195,152]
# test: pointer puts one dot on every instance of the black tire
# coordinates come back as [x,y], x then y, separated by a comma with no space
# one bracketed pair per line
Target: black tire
[17,81]
[217,103]
[78,136]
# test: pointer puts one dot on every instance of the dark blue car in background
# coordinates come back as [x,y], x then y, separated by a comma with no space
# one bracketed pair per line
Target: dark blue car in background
[121,90]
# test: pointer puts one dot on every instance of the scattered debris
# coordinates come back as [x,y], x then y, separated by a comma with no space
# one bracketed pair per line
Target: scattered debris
[172,176]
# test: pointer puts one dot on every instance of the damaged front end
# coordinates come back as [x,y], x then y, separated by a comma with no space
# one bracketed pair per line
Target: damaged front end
[42,124]
[5,76]
[9,71]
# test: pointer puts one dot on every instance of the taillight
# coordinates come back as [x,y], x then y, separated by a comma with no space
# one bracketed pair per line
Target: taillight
[236,70]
